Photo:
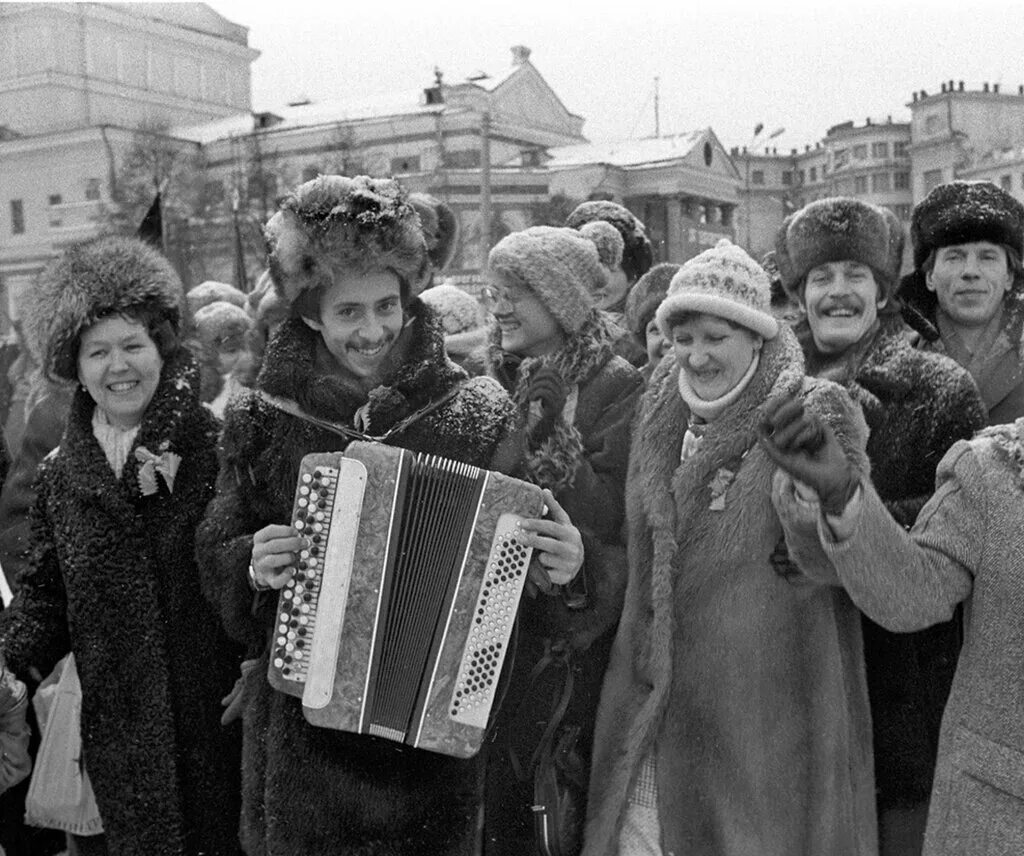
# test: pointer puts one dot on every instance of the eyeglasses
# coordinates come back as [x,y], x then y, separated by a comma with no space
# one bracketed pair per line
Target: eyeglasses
[490,296]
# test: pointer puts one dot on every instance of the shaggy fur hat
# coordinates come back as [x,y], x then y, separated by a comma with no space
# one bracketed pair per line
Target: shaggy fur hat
[210,292]
[560,266]
[221,323]
[637,253]
[607,240]
[645,296]
[363,224]
[835,230]
[440,229]
[722,281]
[92,280]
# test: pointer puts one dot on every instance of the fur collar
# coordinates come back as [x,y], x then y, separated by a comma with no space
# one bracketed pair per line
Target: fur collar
[1009,443]
[422,373]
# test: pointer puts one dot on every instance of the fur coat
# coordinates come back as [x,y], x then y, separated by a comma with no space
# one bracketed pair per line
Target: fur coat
[311,791]
[917,404]
[966,547]
[745,687]
[112,578]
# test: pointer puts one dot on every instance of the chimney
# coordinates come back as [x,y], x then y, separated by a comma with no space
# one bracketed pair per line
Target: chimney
[951,86]
[913,97]
[792,152]
[867,121]
[924,94]
[807,147]
[943,89]
[889,119]
[520,54]
[961,86]
[995,88]
[984,87]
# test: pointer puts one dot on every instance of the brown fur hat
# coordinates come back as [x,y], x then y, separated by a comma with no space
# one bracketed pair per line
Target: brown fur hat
[637,253]
[92,280]
[363,224]
[645,297]
[440,229]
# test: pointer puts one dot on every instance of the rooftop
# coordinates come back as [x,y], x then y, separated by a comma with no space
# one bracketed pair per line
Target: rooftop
[626,153]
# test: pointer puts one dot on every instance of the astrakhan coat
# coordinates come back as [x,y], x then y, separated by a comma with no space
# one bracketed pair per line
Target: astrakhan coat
[917,404]
[113,579]
[966,547]
[748,688]
[311,791]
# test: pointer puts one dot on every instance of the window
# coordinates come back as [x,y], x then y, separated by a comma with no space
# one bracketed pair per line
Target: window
[901,180]
[899,150]
[840,158]
[880,182]
[410,163]
[56,199]
[530,157]
[92,189]
[757,176]
[879,150]
[814,173]
[463,159]
[932,124]
[860,184]
[801,176]
[932,179]
[1006,183]
[213,192]
[17,217]
[787,177]
[860,152]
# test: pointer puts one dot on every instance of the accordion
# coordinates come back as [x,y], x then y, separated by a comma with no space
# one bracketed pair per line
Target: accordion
[398,617]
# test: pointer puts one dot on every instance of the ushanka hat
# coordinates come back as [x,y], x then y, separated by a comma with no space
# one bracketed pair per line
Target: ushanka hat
[835,230]
[722,281]
[334,222]
[91,281]
[637,252]
[558,265]
[645,297]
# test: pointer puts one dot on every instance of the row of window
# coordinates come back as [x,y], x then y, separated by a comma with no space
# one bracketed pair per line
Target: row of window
[93,193]
[879,150]
[881,182]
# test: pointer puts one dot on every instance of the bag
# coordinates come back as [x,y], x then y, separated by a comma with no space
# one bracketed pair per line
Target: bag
[60,795]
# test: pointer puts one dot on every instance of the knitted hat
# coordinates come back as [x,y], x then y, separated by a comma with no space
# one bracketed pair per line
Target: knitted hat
[559,266]
[835,230]
[331,222]
[722,281]
[607,240]
[221,323]
[440,229]
[645,296]
[470,332]
[89,281]
[637,253]
[211,291]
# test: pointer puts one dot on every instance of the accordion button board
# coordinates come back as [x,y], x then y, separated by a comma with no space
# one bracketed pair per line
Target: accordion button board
[398,618]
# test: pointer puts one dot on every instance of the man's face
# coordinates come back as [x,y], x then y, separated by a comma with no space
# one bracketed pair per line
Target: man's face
[970,281]
[842,303]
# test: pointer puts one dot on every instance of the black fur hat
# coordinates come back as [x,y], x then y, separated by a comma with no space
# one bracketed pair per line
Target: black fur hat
[89,281]
[637,252]
[645,297]
[835,230]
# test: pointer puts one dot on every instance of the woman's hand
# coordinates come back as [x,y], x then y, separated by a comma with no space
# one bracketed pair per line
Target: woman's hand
[557,544]
[275,551]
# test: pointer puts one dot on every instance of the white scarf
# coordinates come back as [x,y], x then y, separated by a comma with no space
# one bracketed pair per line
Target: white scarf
[703,411]
[115,442]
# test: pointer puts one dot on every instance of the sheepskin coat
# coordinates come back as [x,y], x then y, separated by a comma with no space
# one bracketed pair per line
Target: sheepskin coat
[917,404]
[746,687]
[966,547]
[312,791]
[113,579]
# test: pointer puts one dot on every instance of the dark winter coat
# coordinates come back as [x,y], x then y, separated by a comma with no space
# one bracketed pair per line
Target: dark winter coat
[916,404]
[584,461]
[312,791]
[112,578]
[748,688]
[966,547]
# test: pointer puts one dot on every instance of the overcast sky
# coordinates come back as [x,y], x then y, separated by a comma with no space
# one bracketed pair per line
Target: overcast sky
[803,66]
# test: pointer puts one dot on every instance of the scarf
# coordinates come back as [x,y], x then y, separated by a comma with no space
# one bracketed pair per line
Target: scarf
[703,411]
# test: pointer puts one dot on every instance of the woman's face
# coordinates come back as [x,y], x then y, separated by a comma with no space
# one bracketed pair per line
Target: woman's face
[657,346]
[360,320]
[970,281]
[713,353]
[527,326]
[842,303]
[614,289]
[119,365]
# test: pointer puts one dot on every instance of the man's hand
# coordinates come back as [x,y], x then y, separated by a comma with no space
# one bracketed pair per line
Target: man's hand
[557,544]
[546,387]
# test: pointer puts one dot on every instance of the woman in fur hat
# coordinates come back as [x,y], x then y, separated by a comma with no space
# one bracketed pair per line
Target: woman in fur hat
[112,577]
[362,351]
[838,259]
[641,305]
[734,714]
[966,293]
[223,331]
[574,400]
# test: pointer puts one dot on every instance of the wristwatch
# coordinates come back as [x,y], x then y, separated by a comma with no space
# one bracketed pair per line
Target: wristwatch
[254,583]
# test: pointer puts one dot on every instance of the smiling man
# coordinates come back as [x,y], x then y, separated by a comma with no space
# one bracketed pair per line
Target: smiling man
[966,293]
[839,259]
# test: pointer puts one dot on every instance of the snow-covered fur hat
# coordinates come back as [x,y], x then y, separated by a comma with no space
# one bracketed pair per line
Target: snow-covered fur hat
[210,292]
[335,222]
[220,324]
[722,281]
[637,252]
[440,229]
[558,265]
[608,241]
[470,331]
[645,297]
[835,230]
[92,280]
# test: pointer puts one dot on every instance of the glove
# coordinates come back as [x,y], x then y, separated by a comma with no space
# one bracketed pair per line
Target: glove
[806,447]
[546,387]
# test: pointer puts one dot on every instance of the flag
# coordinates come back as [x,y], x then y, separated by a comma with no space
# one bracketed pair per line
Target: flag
[151,229]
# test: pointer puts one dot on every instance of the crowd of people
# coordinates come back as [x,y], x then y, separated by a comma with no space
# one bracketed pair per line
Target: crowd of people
[774,595]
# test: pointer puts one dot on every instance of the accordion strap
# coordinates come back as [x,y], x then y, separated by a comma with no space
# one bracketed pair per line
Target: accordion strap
[292,408]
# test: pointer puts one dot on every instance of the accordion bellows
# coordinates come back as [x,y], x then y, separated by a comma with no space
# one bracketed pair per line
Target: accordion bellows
[397,621]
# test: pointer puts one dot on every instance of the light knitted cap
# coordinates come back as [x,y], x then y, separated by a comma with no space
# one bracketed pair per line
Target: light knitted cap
[211,291]
[558,265]
[608,241]
[458,310]
[222,323]
[722,281]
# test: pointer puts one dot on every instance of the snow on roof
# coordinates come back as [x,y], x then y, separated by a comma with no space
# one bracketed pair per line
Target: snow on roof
[625,153]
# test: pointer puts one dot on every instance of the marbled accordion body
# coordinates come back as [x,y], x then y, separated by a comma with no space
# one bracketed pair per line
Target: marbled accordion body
[397,620]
